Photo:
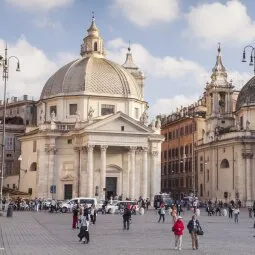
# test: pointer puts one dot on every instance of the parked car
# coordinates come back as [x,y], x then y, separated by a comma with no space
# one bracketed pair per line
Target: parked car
[120,205]
[68,206]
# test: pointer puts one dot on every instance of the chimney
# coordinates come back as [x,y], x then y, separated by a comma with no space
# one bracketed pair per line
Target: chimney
[25,97]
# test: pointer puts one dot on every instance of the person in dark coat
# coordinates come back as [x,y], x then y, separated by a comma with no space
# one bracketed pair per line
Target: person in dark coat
[193,226]
[75,217]
[126,218]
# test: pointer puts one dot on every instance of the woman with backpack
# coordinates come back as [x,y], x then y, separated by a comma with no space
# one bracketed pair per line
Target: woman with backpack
[193,227]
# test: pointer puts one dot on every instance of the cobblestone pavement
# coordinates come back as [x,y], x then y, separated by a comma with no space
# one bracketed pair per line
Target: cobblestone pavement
[44,233]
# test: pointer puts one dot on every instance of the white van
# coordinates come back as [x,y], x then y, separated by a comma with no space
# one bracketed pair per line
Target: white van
[68,206]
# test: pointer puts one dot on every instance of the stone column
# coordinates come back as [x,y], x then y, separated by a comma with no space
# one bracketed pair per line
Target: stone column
[77,172]
[90,170]
[132,173]
[145,174]
[83,176]
[103,171]
[154,155]
[51,170]
[248,155]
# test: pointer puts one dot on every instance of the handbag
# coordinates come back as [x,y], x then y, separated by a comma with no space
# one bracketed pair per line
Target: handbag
[200,232]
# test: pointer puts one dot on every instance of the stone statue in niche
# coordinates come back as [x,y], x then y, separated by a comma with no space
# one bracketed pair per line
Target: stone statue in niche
[238,125]
[42,117]
[144,117]
[52,117]
[247,125]
[90,113]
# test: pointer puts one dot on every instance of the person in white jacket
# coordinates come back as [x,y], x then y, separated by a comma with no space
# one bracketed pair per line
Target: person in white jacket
[84,231]
[236,213]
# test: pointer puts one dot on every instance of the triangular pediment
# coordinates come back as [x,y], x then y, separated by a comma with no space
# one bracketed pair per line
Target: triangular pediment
[119,122]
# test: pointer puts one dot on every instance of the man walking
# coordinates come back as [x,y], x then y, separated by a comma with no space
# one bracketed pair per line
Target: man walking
[236,212]
[193,226]
[126,218]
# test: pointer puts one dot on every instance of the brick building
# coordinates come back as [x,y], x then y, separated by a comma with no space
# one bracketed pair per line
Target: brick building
[181,129]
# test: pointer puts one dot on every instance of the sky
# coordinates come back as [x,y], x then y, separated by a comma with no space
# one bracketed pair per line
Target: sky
[174,42]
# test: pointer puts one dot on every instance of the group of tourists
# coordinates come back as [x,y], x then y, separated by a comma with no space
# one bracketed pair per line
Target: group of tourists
[193,226]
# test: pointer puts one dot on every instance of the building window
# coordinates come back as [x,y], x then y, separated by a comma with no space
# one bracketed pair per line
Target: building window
[53,108]
[201,190]
[17,110]
[8,185]
[34,146]
[30,191]
[95,46]
[224,163]
[69,141]
[33,166]
[173,134]
[201,167]
[136,113]
[207,175]
[8,167]
[170,136]
[169,154]
[8,155]
[72,109]
[181,133]
[13,186]
[165,155]
[9,144]
[122,128]
[241,122]
[107,109]
[186,150]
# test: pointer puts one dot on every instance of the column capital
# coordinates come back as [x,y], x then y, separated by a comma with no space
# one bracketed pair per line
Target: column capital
[132,148]
[103,147]
[50,148]
[247,155]
[154,153]
[77,148]
[144,149]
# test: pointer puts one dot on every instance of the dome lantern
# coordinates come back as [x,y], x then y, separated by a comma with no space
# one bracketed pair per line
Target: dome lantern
[93,44]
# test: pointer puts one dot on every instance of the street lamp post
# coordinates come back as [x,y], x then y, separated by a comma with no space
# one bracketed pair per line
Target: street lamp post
[252,56]
[4,62]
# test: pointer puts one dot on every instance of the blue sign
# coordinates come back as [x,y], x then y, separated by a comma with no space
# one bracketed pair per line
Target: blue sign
[53,189]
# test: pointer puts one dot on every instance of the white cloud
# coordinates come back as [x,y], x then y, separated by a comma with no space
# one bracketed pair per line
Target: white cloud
[167,66]
[47,22]
[211,23]
[239,79]
[169,105]
[147,12]
[35,66]
[39,5]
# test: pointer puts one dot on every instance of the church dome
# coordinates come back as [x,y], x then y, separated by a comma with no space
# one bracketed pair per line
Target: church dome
[247,94]
[92,76]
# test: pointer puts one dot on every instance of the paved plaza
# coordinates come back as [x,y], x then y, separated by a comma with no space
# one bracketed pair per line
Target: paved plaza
[44,233]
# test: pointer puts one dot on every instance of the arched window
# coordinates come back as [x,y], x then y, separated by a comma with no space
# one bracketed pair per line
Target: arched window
[33,166]
[224,163]
[95,46]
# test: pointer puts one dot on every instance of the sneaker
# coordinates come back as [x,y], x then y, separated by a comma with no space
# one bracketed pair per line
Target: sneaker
[179,248]
[84,242]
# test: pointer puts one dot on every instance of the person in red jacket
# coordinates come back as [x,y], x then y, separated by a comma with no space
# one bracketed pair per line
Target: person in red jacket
[178,228]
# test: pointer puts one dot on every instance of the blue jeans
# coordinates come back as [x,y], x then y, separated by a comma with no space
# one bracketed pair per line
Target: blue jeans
[236,218]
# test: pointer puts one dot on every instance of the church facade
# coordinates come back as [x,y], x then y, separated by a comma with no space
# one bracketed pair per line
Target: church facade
[92,137]
[225,154]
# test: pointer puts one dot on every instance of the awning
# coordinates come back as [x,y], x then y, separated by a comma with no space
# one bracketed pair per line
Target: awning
[14,192]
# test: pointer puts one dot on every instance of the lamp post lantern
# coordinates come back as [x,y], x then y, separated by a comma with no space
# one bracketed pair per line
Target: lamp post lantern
[252,56]
[4,62]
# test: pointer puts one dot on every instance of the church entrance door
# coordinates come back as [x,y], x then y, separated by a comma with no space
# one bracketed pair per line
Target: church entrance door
[111,187]
[68,191]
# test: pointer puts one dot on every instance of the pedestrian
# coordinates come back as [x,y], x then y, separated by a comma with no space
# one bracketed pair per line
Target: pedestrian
[75,216]
[250,211]
[230,211]
[178,228]
[92,214]
[193,226]
[162,213]
[174,214]
[236,213]
[126,218]
[84,231]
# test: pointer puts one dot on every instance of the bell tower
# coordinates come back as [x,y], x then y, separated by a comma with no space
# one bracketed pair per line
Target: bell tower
[93,44]
[219,98]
